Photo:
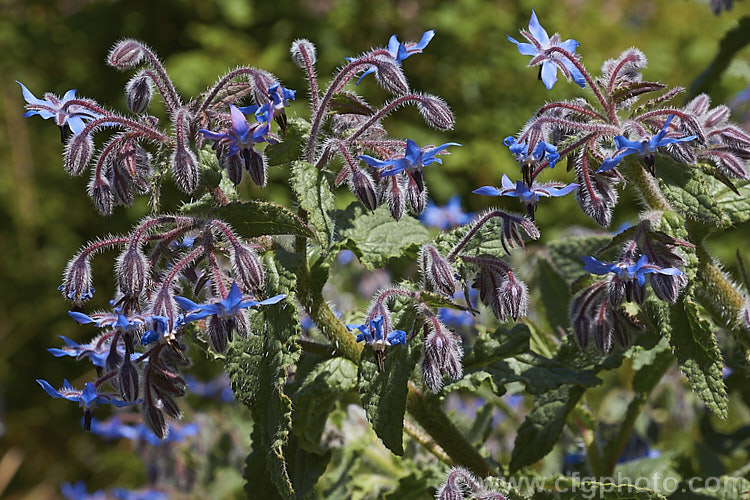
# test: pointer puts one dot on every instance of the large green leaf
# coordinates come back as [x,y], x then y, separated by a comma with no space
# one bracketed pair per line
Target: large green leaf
[375,237]
[259,218]
[555,295]
[499,345]
[698,355]
[736,207]
[257,367]
[688,191]
[316,198]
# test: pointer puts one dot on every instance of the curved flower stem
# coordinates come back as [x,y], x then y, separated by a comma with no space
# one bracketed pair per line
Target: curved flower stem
[429,415]
[427,442]
[156,64]
[220,85]
[311,77]
[383,112]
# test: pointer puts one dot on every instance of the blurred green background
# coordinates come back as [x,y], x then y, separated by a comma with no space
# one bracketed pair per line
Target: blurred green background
[55,46]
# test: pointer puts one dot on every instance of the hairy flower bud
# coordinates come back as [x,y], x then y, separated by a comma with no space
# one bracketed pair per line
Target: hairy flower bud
[233,165]
[125,54]
[488,283]
[363,188]
[585,308]
[154,420]
[247,267]
[514,296]
[438,273]
[301,51]
[442,355]
[390,191]
[255,163]
[138,93]
[132,271]
[78,152]
[76,286]
[114,358]
[452,489]
[390,76]
[595,194]
[416,194]
[436,112]
[185,168]
[163,304]
[127,380]
[100,192]
[745,316]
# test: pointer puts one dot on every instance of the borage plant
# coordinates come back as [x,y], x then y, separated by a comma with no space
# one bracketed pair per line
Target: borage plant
[236,279]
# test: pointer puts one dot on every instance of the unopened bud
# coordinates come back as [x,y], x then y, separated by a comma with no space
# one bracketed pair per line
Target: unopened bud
[185,168]
[436,112]
[219,333]
[168,404]
[437,271]
[391,191]
[416,194]
[247,267]
[595,195]
[390,76]
[114,358]
[262,81]
[132,272]
[514,296]
[442,355]
[585,309]
[363,188]
[76,286]
[233,165]
[100,192]
[128,381]
[78,152]
[303,51]
[603,334]
[745,316]
[452,489]
[138,93]
[125,54]
[154,420]
[667,287]
[255,163]
[488,282]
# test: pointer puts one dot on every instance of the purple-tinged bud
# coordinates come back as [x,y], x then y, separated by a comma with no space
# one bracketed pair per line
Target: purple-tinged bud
[100,192]
[716,116]
[453,490]
[167,404]
[233,165]
[247,267]
[603,333]
[514,296]
[436,112]
[128,381]
[667,287]
[114,358]
[699,105]
[585,310]
[185,168]
[302,49]
[442,355]
[255,163]
[132,271]
[379,309]
[390,76]
[78,152]
[76,286]
[154,420]
[745,316]
[595,194]
[438,273]
[616,290]
[416,194]
[391,191]
[138,93]
[488,283]
[363,188]
[125,54]
[219,332]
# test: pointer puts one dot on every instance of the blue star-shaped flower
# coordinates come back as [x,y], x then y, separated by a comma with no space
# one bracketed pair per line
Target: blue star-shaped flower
[400,51]
[550,61]
[223,309]
[626,271]
[52,107]
[446,217]
[528,196]
[243,136]
[116,320]
[541,151]
[414,159]
[96,350]
[646,149]
[373,333]
[88,398]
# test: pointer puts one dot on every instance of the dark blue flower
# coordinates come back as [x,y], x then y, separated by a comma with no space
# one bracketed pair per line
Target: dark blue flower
[626,271]
[97,350]
[159,329]
[87,398]
[243,136]
[528,196]
[540,152]
[646,148]
[414,159]
[223,309]
[52,107]
[373,333]
[115,320]
[400,51]
[446,217]
[550,62]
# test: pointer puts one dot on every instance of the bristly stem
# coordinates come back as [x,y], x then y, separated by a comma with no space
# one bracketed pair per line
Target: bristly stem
[136,127]
[220,85]
[314,97]
[383,112]
[156,64]
[648,188]
[427,442]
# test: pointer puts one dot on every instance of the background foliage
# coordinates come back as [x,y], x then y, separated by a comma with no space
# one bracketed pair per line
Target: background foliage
[54,46]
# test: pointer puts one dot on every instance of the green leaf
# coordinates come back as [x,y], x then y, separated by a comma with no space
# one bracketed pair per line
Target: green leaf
[472,382]
[316,396]
[350,103]
[486,241]
[304,468]
[315,196]
[499,345]
[698,355]
[659,472]
[555,295]
[375,237]
[733,41]
[565,254]
[736,207]
[257,367]
[260,218]
[688,191]
[289,150]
